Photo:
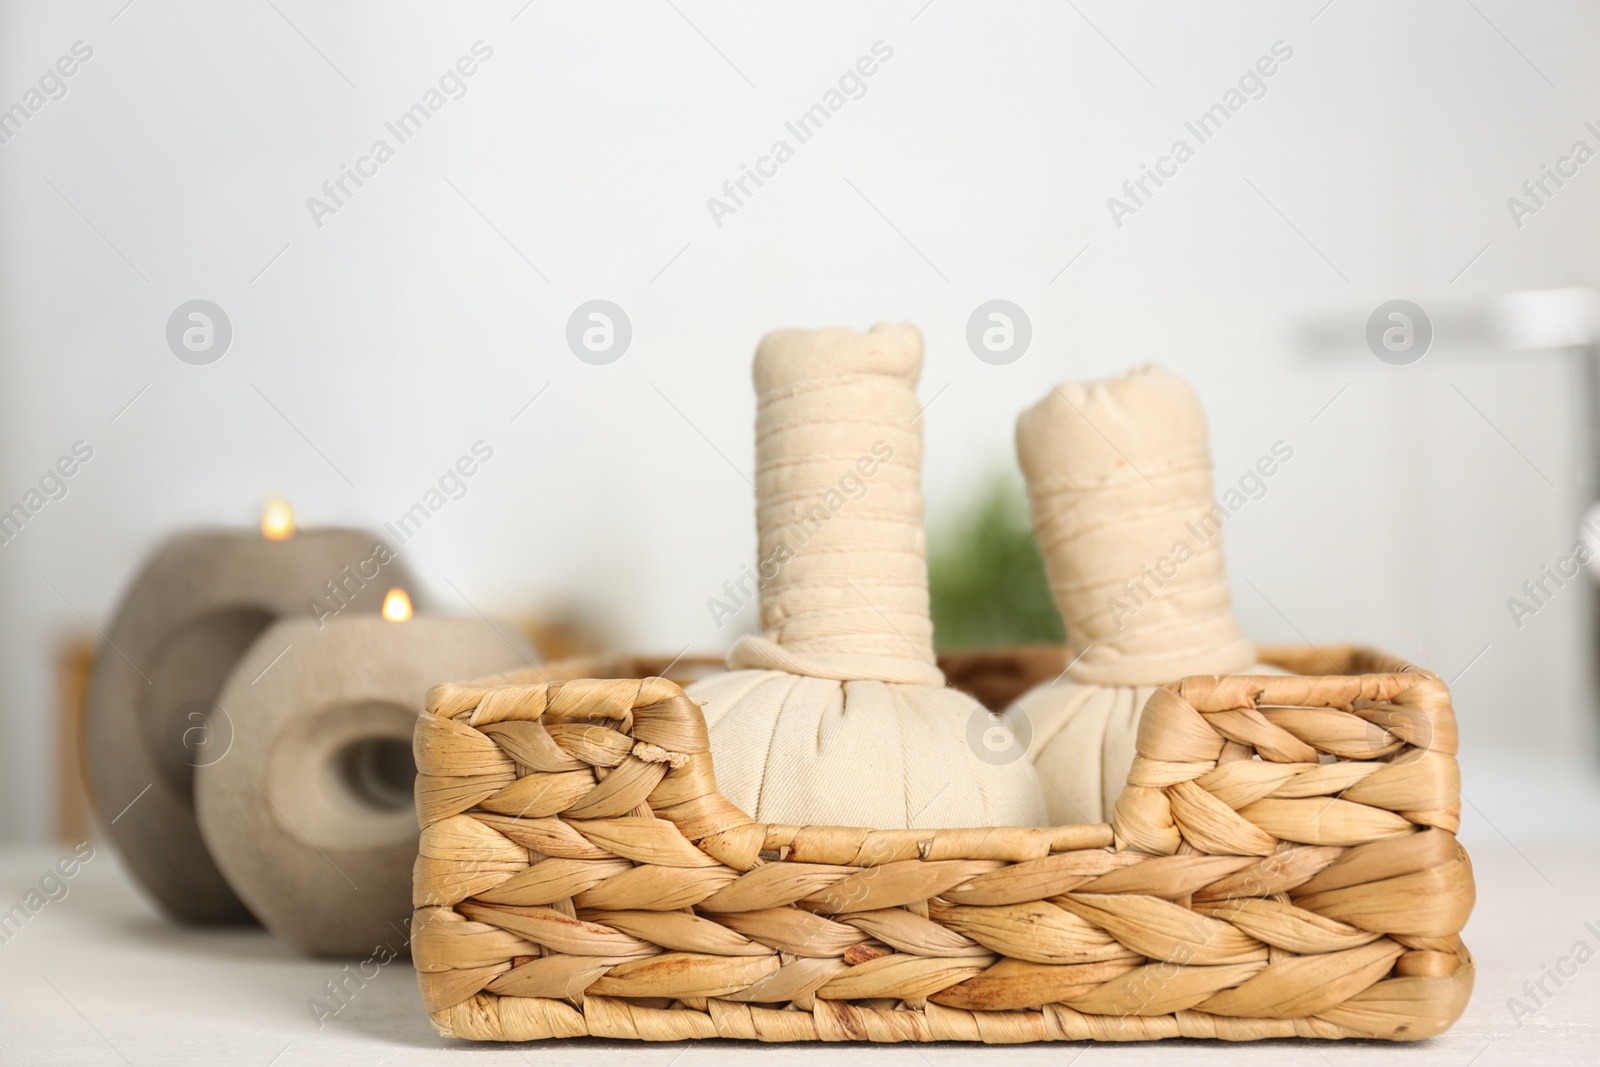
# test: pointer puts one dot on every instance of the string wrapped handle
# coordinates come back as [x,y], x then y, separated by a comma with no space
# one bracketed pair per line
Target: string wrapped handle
[843,554]
[1119,481]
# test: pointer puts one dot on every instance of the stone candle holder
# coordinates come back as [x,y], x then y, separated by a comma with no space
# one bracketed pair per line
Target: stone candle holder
[311,817]
[152,717]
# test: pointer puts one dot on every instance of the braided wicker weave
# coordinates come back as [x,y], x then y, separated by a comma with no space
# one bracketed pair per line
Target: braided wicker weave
[1282,863]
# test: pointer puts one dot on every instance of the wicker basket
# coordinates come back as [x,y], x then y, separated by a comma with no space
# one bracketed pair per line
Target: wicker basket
[1282,863]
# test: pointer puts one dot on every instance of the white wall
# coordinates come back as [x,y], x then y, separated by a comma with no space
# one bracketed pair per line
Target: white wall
[406,327]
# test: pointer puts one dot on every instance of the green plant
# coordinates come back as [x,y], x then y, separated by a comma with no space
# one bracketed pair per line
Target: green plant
[986,580]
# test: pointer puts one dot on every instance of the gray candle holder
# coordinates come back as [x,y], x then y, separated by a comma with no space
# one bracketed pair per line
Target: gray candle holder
[153,717]
[311,816]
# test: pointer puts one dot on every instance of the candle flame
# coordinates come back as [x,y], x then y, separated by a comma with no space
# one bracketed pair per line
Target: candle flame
[277,520]
[397,606]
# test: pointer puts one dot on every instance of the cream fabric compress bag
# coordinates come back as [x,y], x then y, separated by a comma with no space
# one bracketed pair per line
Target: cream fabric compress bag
[1119,482]
[837,714]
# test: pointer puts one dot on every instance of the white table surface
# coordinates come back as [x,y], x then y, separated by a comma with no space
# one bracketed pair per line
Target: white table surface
[100,978]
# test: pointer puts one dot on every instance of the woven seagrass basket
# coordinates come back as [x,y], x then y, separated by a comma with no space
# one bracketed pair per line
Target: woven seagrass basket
[1282,863]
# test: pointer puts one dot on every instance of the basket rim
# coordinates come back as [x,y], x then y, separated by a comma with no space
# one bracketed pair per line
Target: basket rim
[1346,660]
[716,822]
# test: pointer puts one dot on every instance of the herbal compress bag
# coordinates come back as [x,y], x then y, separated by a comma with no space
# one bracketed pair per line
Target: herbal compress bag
[1119,482]
[836,713]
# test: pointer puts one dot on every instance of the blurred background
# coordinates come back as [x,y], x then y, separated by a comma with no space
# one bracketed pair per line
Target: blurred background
[380,330]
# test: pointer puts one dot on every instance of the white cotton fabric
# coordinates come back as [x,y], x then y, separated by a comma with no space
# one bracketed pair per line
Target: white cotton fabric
[1119,477]
[1083,745]
[837,714]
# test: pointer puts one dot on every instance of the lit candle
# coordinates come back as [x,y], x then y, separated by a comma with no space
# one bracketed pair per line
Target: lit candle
[396,605]
[194,608]
[277,520]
